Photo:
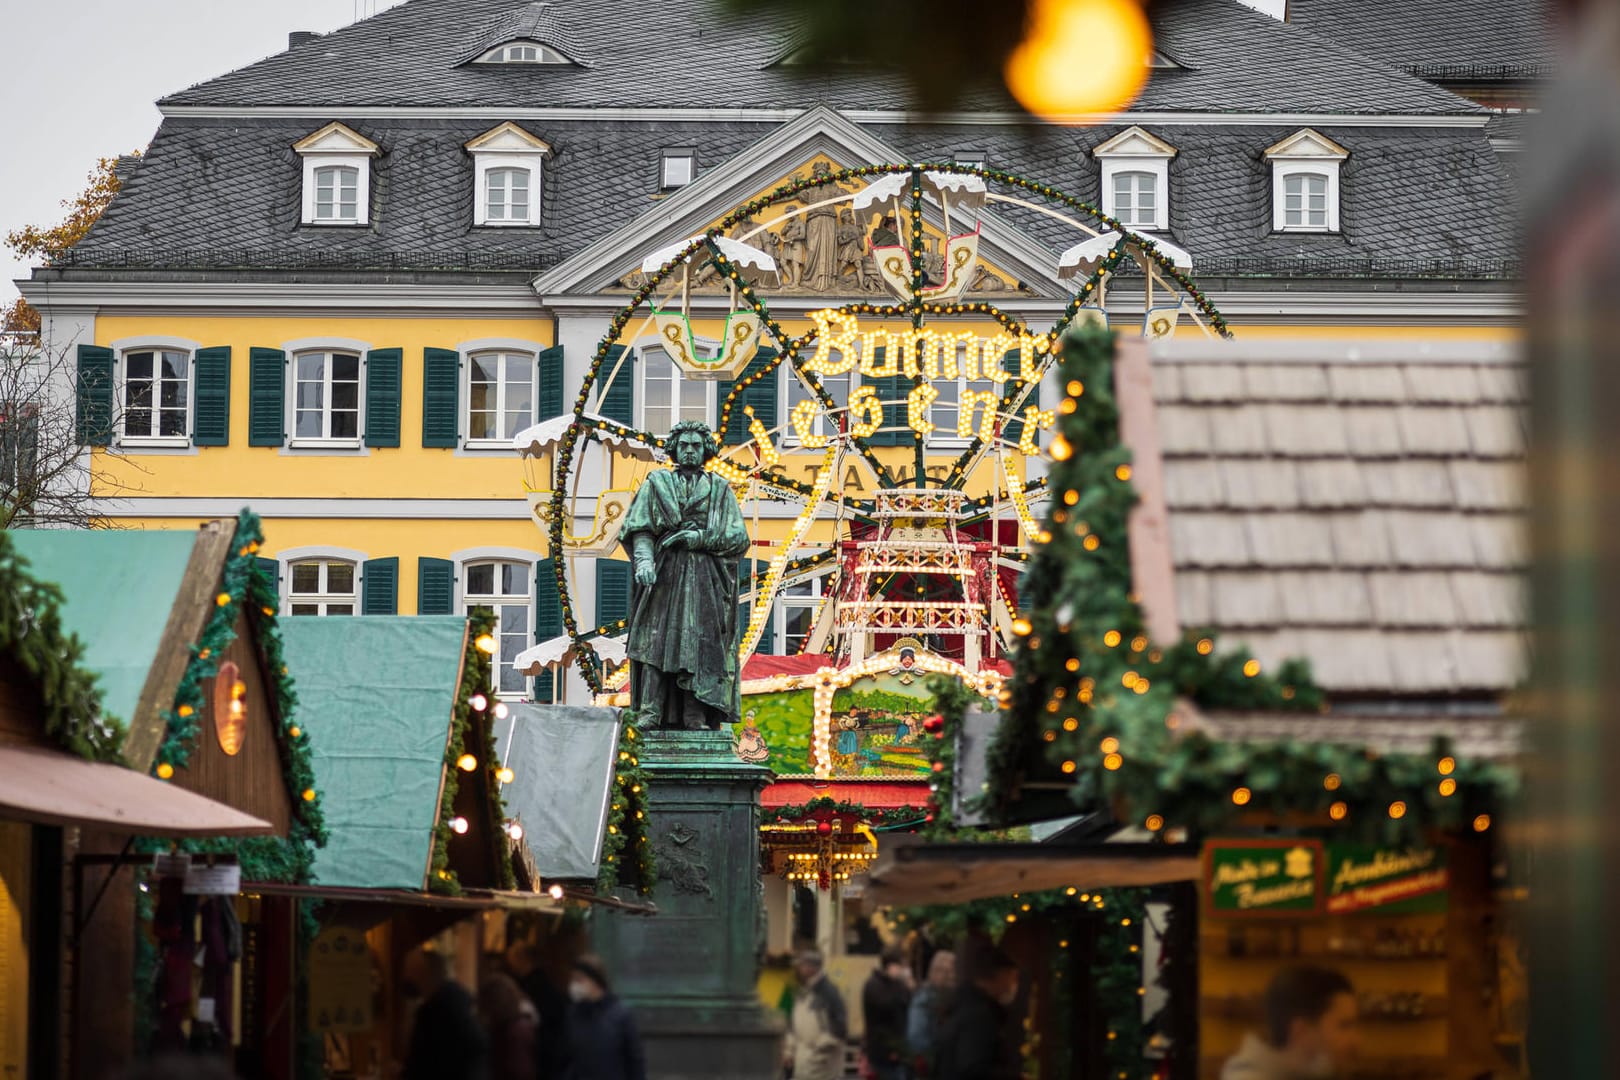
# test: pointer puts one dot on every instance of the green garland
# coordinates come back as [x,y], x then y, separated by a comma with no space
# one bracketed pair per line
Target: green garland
[829,807]
[1117,918]
[32,635]
[1091,701]
[628,823]
[471,732]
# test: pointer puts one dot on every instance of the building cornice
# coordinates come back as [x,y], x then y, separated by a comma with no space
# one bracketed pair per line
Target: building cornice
[859,116]
[281,297]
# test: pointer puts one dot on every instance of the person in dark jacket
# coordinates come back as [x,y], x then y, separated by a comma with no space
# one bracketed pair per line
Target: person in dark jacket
[974,1041]
[446,1039]
[884,1003]
[602,1034]
[523,960]
[512,1023]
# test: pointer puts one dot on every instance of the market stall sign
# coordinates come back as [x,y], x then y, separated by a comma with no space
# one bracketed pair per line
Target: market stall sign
[1392,880]
[1261,877]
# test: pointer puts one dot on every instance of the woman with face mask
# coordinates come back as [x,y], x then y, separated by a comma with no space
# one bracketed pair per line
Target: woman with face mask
[603,1038]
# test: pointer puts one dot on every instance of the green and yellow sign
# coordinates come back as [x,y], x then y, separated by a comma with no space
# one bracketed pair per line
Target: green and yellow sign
[1305,877]
[1262,877]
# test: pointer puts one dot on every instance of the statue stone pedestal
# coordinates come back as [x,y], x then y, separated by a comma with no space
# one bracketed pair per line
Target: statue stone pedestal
[689,972]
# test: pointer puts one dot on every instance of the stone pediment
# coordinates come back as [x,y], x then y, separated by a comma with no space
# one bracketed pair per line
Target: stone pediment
[820,253]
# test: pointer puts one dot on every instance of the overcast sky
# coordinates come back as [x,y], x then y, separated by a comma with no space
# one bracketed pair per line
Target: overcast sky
[78,79]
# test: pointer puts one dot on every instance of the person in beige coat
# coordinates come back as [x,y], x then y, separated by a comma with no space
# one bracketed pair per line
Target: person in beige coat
[819,1029]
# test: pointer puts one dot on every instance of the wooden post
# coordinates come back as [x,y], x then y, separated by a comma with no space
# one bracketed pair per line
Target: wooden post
[1152,568]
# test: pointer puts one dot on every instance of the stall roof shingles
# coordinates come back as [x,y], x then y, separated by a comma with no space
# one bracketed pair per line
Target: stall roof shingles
[413,54]
[1367,516]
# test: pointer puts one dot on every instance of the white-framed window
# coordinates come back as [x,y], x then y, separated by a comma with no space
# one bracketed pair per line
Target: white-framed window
[1305,201]
[796,608]
[1305,182]
[506,195]
[326,398]
[946,411]
[503,587]
[500,395]
[337,194]
[665,396]
[507,171]
[1136,179]
[337,176]
[1136,198]
[523,52]
[973,159]
[155,396]
[322,587]
[794,391]
[677,168]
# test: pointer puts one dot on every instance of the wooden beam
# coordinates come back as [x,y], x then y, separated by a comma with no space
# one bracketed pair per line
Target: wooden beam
[1148,528]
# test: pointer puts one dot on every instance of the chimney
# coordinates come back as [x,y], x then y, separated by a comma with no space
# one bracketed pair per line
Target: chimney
[298,37]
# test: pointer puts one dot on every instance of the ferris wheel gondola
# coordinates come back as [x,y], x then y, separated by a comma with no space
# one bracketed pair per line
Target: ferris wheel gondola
[740,335]
[953,268]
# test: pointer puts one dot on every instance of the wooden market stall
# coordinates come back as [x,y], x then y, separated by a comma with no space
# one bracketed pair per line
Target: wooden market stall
[180,630]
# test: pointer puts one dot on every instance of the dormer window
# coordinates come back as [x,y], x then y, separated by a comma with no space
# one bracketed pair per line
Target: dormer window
[507,168]
[1305,183]
[337,176]
[523,52]
[1136,179]
[677,168]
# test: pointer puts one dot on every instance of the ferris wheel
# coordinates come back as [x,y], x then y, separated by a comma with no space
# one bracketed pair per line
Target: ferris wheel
[886,445]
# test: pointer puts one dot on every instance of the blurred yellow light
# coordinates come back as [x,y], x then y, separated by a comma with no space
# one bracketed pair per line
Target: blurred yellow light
[486,644]
[1448,787]
[1205,646]
[1060,448]
[1397,809]
[1068,766]
[1123,472]
[1331,781]
[1111,638]
[1252,668]
[1338,811]
[1109,745]
[1080,56]
[1022,627]
[1447,766]
[1241,796]
[165,770]
[1112,762]
[1154,823]
[466,763]
[504,775]
[1482,823]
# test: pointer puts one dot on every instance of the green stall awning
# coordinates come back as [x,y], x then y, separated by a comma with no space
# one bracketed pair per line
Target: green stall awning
[375,695]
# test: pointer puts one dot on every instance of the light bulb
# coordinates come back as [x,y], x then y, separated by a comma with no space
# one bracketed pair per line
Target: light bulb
[504,774]
[479,702]
[486,644]
[466,763]
[514,830]
[458,825]
[501,710]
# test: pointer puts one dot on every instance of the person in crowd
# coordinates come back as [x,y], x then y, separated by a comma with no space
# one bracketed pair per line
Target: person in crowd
[513,1023]
[929,1003]
[884,1003]
[446,1039]
[603,1042]
[1311,1030]
[819,1028]
[975,1039]
[523,961]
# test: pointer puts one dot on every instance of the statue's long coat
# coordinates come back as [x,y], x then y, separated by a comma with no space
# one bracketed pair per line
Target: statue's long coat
[685,623]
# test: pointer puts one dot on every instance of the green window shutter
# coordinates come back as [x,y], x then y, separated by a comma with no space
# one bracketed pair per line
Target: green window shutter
[384,372]
[271,569]
[441,392]
[267,397]
[379,586]
[612,591]
[747,572]
[548,622]
[620,402]
[893,389]
[435,587]
[548,613]
[94,391]
[761,395]
[1014,430]
[549,403]
[211,397]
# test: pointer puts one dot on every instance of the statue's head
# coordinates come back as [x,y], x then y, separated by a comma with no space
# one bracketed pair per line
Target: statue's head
[690,444]
[821,168]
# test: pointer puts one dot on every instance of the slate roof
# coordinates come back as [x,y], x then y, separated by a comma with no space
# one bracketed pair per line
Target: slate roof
[1235,60]
[1448,40]
[1366,513]
[226,193]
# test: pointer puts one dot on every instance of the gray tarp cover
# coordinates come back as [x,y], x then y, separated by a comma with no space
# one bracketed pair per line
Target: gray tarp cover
[375,694]
[563,757]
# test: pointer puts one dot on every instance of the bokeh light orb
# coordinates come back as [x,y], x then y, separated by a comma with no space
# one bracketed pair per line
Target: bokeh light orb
[1080,56]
